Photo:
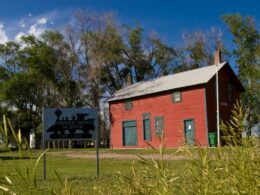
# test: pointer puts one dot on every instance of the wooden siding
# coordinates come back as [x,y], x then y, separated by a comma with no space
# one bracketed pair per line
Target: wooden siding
[191,106]
[225,76]
[198,103]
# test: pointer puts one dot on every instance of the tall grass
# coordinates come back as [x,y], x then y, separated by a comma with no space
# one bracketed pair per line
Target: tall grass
[4,132]
[27,174]
[156,176]
[231,169]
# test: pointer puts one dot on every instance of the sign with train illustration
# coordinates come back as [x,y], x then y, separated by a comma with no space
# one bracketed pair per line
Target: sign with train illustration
[69,123]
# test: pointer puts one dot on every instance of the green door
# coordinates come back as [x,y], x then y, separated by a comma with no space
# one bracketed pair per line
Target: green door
[189,131]
[147,135]
[129,133]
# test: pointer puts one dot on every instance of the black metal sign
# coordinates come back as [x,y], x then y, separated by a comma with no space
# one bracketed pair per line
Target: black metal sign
[69,123]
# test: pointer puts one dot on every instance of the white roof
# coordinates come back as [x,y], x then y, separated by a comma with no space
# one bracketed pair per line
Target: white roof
[165,83]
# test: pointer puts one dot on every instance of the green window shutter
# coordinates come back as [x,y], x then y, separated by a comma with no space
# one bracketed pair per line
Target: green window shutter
[146,126]
[159,125]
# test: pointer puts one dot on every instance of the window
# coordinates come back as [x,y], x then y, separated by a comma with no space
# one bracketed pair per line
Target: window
[176,96]
[128,105]
[159,125]
[230,94]
[146,126]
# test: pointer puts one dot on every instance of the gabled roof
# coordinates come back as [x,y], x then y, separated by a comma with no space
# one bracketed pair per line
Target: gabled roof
[184,79]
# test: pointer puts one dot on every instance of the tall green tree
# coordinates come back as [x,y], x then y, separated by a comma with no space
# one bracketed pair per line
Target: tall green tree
[147,57]
[247,41]
[36,73]
[21,91]
[111,52]
[197,49]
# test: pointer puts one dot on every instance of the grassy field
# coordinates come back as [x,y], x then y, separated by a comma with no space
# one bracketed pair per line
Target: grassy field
[225,170]
[80,173]
[189,170]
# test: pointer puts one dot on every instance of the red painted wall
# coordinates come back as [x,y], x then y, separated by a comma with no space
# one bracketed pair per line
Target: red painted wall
[198,103]
[225,107]
[192,106]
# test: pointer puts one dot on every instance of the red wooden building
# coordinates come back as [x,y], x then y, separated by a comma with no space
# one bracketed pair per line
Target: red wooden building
[181,106]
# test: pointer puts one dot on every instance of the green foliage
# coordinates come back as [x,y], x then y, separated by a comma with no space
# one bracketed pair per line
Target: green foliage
[197,50]
[30,174]
[78,67]
[247,40]
[147,57]
[4,188]
[232,170]
[93,59]
[4,132]
[203,171]
[75,68]
[36,73]
[149,177]
[233,129]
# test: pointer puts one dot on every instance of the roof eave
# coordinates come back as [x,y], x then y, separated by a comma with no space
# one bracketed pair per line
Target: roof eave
[142,95]
[113,99]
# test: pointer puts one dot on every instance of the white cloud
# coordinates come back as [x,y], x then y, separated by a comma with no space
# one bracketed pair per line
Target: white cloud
[35,30]
[19,35]
[42,20]
[32,29]
[33,24]
[38,27]
[3,36]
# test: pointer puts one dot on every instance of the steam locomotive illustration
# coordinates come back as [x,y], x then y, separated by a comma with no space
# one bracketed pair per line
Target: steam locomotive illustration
[78,122]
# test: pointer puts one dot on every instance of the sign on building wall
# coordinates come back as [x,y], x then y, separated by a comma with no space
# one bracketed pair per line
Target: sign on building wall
[70,123]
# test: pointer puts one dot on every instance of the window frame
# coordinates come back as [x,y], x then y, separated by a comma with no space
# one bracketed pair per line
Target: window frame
[128,103]
[136,131]
[157,133]
[173,96]
[146,116]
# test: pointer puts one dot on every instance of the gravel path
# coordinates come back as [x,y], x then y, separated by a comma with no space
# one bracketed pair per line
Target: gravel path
[109,155]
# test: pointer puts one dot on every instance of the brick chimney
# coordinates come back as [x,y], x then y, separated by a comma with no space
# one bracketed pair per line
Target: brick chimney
[129,80]
[217,57]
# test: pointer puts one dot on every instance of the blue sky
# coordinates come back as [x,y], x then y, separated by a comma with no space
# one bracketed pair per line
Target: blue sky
[168,18]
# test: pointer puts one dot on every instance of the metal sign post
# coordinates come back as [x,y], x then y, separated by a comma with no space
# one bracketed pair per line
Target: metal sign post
[97,153]
[43,146]
[44,166]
